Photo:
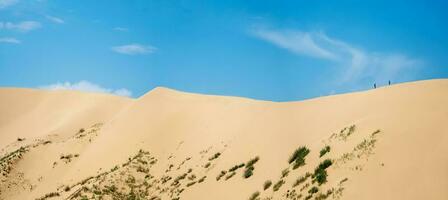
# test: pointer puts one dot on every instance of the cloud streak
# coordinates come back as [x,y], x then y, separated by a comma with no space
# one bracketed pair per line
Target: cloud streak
[134,49]
[7,3]
[10,40]
[24,26]
[55,19]
[87,86]
[356,64]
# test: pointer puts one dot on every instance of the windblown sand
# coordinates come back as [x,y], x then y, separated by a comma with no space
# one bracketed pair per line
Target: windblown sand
[386,143]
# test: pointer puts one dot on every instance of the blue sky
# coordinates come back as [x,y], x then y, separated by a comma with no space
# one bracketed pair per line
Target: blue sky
[270,50]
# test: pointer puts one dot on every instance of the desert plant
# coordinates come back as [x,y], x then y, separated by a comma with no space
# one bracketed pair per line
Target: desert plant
[313,190]
[278,185]
[298,157]
[320,173]
[254,195]
[285,172]
[301,179]
[230,175]
[267,184]
[250,167]
[216,155]
[324,151]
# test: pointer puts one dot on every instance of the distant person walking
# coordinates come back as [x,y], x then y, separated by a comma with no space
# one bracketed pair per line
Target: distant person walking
[389,82]
[374,86]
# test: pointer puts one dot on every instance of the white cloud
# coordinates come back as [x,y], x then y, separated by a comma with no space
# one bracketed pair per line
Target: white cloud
[295,41]
[355,63]
[87,86]
[23,26]
[10,40]
[7,3]
[55,19]
[121,29]
[134,49]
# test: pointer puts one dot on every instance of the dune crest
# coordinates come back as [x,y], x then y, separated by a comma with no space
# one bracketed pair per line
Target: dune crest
[387,143]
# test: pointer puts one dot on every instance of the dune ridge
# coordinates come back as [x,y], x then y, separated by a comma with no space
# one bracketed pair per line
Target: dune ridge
[386,143]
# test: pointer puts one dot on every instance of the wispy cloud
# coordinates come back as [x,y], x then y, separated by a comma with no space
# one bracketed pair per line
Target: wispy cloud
[134,49]
[54,19]
[86,86]
[23,26]
[121,29]
[356,64]
[10,40]
[7,3]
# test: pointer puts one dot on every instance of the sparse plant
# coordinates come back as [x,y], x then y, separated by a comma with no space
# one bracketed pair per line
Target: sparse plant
[267,184]
[215,156]
[313,190]
[278,185]
[254,195]
[324,151]
[285,172]
[221,175]
[191,183]
[230,175]
[301,179]
[320,173]
[250,167]
[298,157]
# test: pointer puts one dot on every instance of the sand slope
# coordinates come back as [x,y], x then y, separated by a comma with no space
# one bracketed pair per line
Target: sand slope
[387,143]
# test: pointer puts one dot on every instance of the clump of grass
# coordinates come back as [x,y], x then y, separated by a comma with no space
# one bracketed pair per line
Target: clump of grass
[301,179]
[191,183]
[207,165]
[298,157]
[230,175]
[320,173]
[236,167]
[278,185]
[220,175]
[324,151]
[254,195]
[285,172]
[313,190]
[215,156]
[250,167]
[202,179]
[267,184]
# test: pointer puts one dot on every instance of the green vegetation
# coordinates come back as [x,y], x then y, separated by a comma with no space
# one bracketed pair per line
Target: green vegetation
[324,151]
[301,179]
[236,167]
[230,175]
[267,184]
[278,185]
[320,173]
[285,172]
[220,175]
[215,156]
[250,167]
[313,190]
[202,179]
[191,183]
[298,157]
[254,195]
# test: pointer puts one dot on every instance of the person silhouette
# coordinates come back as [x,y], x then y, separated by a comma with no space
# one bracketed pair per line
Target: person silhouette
[374,85]
[389,82]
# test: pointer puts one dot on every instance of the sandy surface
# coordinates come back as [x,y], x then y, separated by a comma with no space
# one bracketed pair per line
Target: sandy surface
[387,143]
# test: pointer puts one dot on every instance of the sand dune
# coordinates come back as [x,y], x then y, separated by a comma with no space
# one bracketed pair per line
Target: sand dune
[387,143]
